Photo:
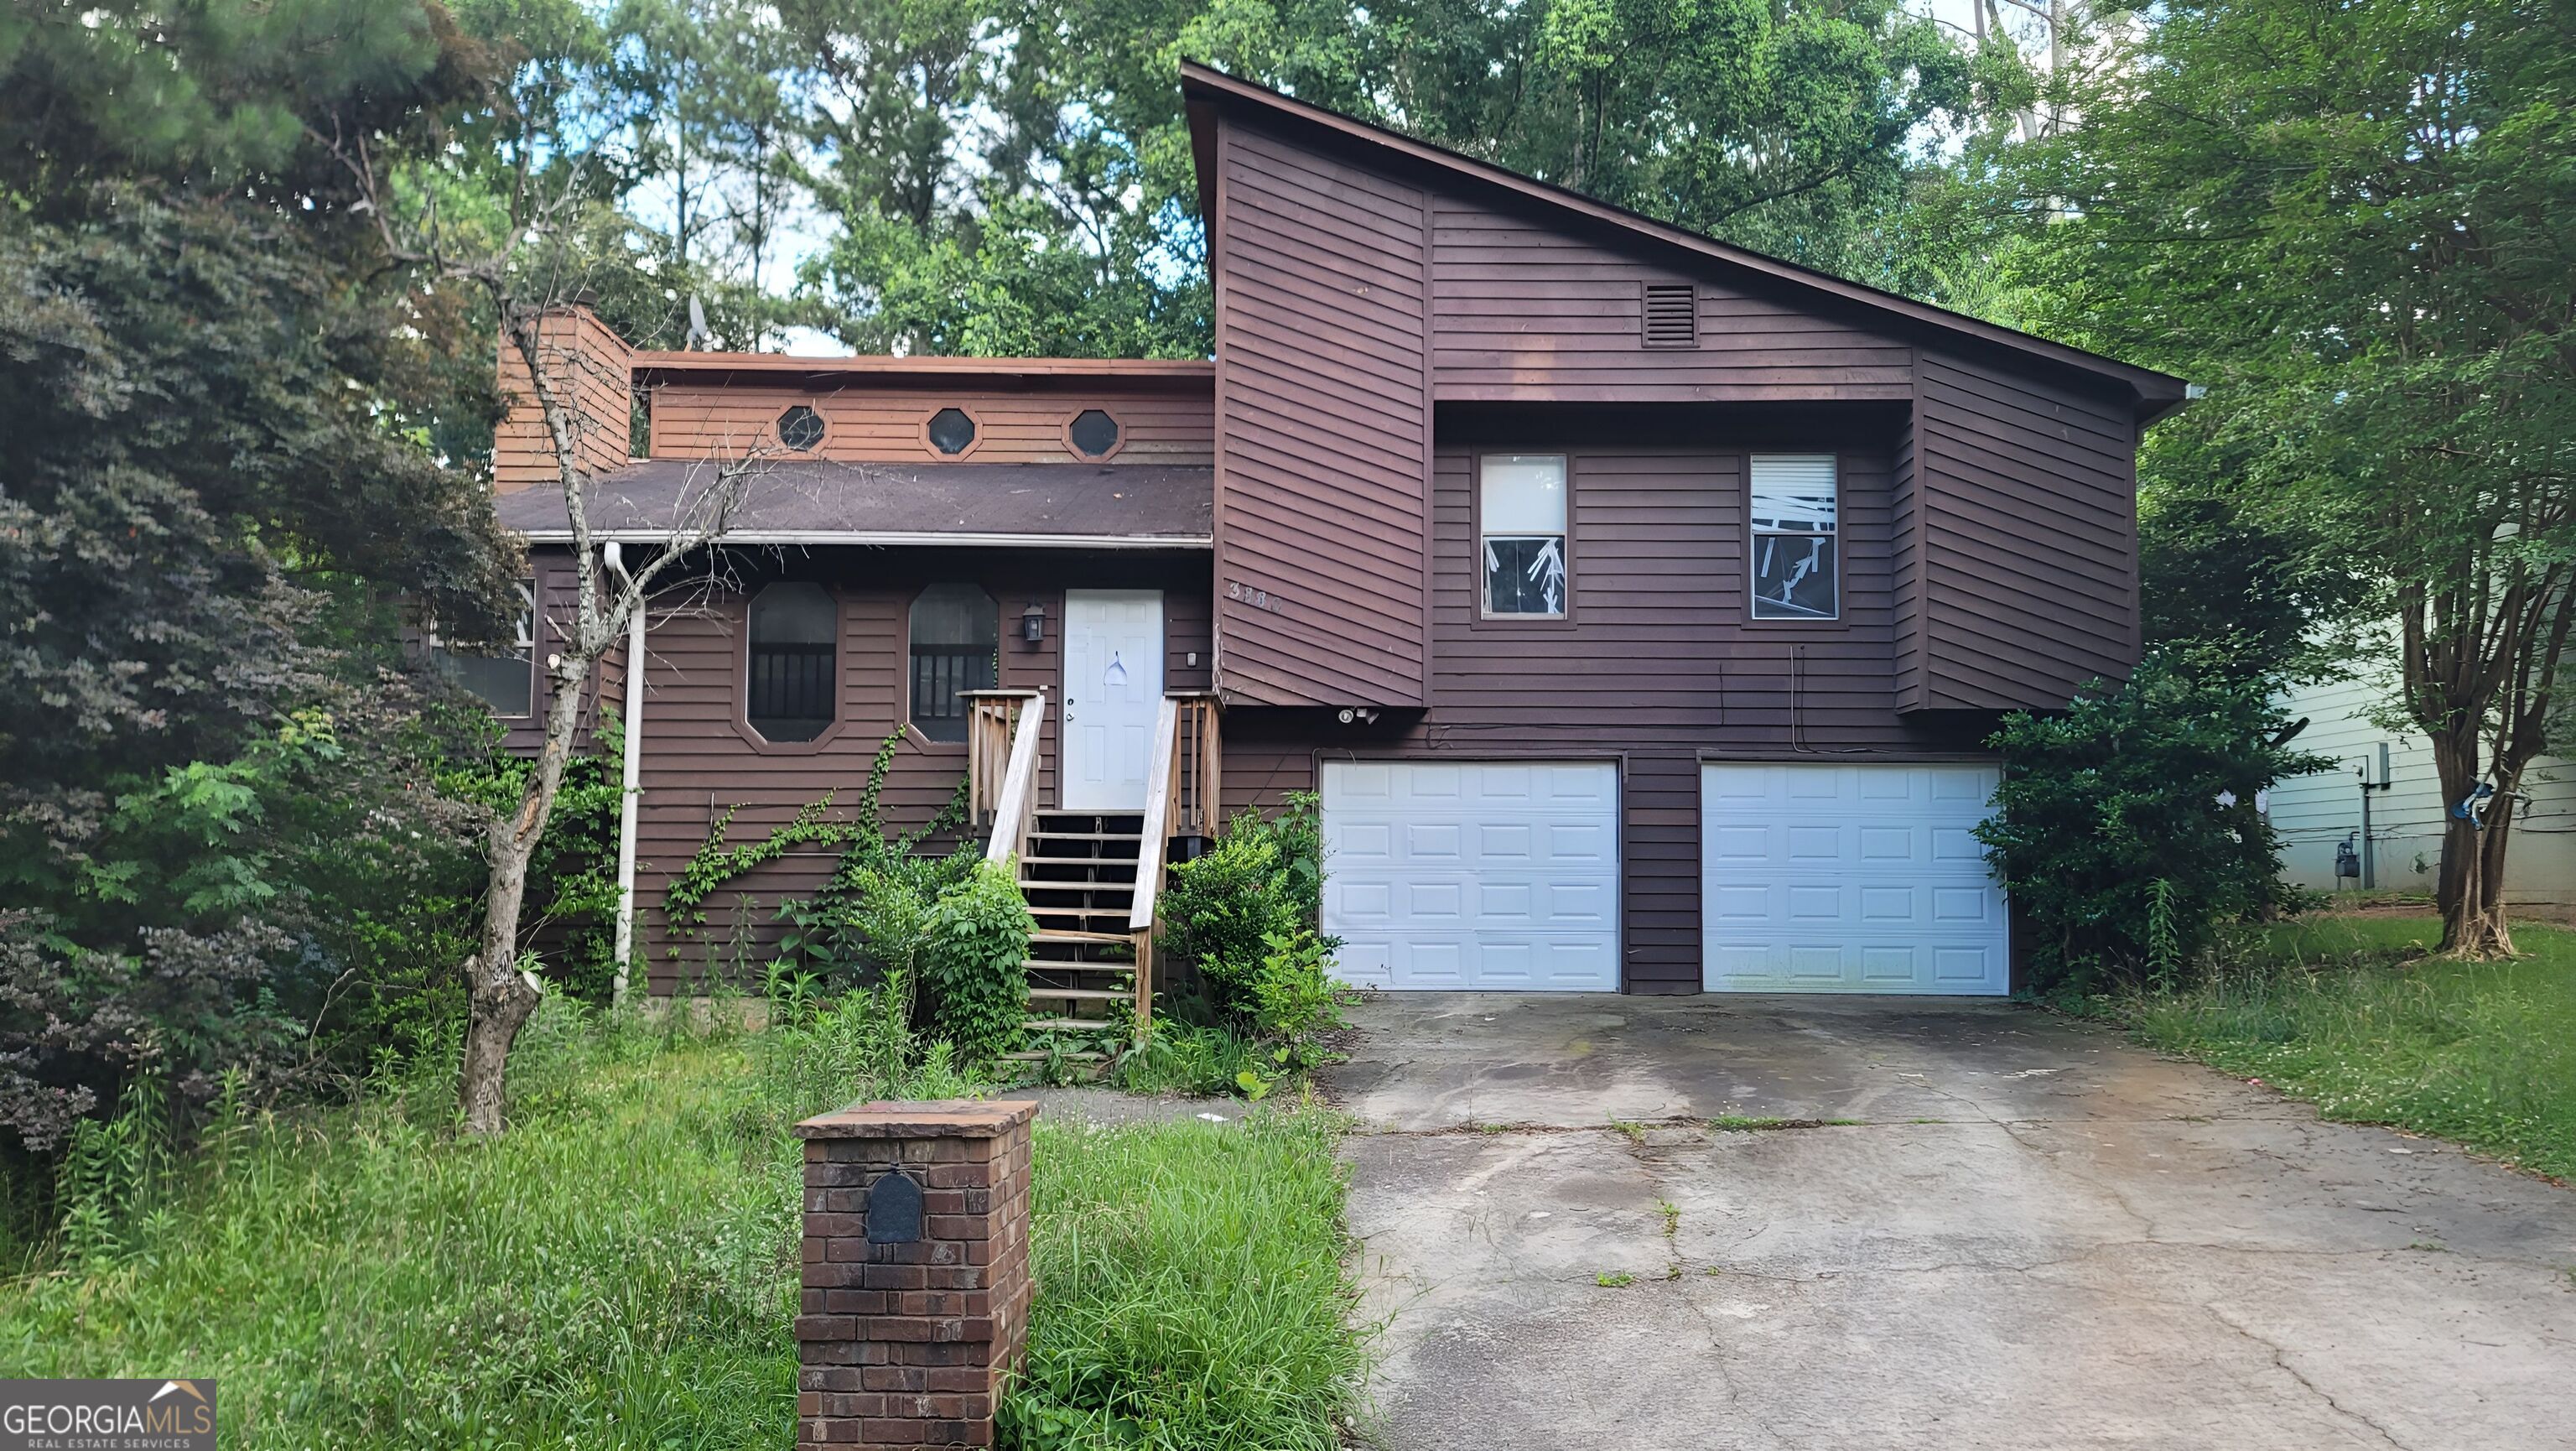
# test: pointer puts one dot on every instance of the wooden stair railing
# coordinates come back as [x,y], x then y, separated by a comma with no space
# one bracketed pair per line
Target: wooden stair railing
[1181,799]
[1002,731]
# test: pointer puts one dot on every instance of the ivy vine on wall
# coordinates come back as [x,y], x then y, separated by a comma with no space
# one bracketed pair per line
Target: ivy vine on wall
[862,835]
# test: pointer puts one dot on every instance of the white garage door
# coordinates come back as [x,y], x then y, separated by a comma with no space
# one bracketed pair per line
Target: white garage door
[1848,878]
[1473,874]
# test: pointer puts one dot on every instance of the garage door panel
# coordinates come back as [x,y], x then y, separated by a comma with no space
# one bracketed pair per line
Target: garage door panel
[1497,874]
[1849,878]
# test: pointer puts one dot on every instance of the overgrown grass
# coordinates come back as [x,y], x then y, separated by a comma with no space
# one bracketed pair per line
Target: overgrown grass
[1191,1287]
[620,1269]
[2348,1012]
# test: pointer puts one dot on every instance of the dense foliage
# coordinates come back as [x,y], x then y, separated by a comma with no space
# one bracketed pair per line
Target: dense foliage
[2356,225]
[1246,916]
[620,1269]
[975,938]
[2126,828]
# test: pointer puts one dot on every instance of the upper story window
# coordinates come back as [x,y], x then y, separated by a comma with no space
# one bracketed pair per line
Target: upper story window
[952,431]
[1094,433]
[1520,511]
[792,683]
[800,428]
[1796,574]
[956,637]
[506,681]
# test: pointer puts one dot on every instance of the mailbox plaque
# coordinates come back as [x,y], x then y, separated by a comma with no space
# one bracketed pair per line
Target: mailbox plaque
[894,1209]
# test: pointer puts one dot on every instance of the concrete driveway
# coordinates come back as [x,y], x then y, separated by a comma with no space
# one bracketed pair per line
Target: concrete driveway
[2029,1235]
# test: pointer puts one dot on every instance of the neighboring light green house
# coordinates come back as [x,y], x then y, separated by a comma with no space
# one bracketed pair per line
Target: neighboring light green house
[2402,851]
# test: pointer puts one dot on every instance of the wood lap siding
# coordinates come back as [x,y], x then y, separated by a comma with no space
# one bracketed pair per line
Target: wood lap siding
[1325,427]
[868,424]
[1660,662]
[1524,311]
[698,762]
[2026,503]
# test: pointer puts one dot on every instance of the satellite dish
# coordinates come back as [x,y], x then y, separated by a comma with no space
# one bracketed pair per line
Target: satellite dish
[697,323]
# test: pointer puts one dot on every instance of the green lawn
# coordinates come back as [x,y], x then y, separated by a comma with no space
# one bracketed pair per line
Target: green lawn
[2344,1011]
[620,1269]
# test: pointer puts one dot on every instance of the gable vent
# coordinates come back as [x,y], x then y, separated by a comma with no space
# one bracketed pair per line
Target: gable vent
[1672,315]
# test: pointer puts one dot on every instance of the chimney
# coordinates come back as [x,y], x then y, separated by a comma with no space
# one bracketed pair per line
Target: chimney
[592,371]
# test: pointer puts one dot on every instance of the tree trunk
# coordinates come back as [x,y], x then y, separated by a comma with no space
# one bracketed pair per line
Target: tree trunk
[501,997]
[2472,917]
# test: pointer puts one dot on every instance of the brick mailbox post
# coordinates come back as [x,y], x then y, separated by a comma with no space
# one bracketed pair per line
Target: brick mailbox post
[916,1276]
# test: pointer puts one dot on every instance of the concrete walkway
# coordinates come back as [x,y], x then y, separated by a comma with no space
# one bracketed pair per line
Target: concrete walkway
[2032,1236]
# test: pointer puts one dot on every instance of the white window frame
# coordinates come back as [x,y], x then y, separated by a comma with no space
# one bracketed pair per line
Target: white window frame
[1756,533]
[1486,534]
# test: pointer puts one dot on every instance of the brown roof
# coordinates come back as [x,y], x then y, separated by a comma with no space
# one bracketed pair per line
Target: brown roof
[1160,374]
[1206,90]
[818,502]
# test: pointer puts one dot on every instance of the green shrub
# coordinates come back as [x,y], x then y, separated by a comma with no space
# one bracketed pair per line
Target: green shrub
[975,942]
[1262,878]
[2125,828]
[1199,1060]
[1294,997]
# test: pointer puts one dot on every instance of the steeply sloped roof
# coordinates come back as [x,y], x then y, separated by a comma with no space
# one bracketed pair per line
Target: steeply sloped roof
[1209,92]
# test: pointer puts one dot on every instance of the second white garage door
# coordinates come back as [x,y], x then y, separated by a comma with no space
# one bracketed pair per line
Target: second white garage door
[1849,878]
[1473,874]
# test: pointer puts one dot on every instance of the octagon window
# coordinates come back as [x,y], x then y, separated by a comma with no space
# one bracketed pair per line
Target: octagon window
[793,681]
[1094,433]
[800,428]
[951,431]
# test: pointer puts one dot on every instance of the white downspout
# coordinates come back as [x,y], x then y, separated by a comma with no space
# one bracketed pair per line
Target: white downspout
[631,776]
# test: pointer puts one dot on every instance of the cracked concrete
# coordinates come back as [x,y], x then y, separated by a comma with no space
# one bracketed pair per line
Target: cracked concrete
[2035,1236]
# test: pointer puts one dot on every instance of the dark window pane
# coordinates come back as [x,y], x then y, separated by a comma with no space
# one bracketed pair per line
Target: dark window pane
[939,672]
[1094,433]
[956,632]
[1794,577]
[800,428]
[792,689]
[951,431]
[505,682]
[1525,575]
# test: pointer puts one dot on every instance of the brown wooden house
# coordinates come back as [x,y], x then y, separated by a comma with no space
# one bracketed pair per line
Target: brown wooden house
[1636,603]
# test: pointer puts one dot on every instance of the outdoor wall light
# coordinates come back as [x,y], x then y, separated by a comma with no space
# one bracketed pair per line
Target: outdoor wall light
[1033,622]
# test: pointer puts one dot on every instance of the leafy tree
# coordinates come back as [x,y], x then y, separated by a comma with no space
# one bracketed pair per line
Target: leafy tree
[2125,827]
[2357,225]
[219,461]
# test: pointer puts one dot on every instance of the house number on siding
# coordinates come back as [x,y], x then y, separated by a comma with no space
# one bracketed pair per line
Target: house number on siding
[1242,593]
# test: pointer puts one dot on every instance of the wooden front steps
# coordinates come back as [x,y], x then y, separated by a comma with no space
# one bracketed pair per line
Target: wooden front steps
[1078,872]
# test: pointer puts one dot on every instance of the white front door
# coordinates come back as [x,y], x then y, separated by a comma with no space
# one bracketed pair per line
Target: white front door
[1113,687]
[1849,878]
[1473,874]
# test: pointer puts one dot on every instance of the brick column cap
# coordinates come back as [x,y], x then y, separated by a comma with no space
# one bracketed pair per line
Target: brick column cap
[936,1118]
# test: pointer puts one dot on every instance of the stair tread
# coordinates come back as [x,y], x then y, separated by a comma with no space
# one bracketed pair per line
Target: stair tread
[1040,1055]
[1085,994]
[1082,1024]
[1053,964]
[1067,934]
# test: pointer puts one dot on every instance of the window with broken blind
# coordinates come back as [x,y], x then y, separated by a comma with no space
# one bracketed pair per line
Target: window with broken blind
[1796,572]
[1521,512]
